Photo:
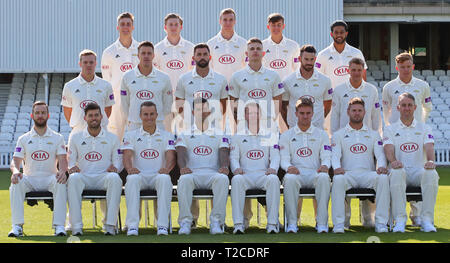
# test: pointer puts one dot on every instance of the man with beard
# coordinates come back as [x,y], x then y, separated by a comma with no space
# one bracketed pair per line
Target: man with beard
[354,150]
[93,162]
[41,150]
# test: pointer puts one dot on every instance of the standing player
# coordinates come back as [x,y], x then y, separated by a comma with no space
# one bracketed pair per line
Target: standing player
[41,150]
[203,158]
[281,53]
[93,162]
[148,156]
[406,82]
[117,59]
[355,87]
[305,156]
[354,148]
[145,83]
[409,148]
[85,89]
[254,160]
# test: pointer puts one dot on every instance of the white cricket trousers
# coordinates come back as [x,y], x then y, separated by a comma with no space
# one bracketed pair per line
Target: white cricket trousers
[137,182]
[213,180]
[360,179]
[307,178]
[27,184]
[255,180]
[427,179]
[78,182]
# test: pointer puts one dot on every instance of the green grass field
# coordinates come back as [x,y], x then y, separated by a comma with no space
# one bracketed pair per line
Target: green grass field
[37,226]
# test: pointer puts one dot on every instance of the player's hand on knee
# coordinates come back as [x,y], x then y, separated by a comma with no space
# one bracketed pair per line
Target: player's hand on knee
[163,170]
[293,170]
[133,170]
[396,165]
[112,169]
[430,165]
[323,169]
[61,177]
[224,170]
[238,171]
[185,170]
[339,171]
[382,170]
[74,169]
[271,171]
[15,178]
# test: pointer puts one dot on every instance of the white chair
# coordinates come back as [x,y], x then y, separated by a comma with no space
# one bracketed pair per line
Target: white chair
[442,107]
[381,62]
[23,122]
[10,116]
[438,135]
[370,78]
[385,68]
[416,73]
[427,72]
[435,114]
[444,78]
[30,85]
[7,128]
[13,109]
[54,127]
[447,101]
[65,128]
[420,77]
[26,108]
[54,109]
[373,83]
[17,135]
[27,102]
[431,78]
[6,136]
[373,67]
[24,116]
[14,96]
[447,134]
[53,122]
[437,101]
[40,97]
[13,103]
[370,62]
[439,89]
[445,114]
[54,102]
[439,72]
[382,83]
[28,96]
[378,75]
[17,85]
[438,120]
[445,95]
[387,74]
[435,83]
[22,128]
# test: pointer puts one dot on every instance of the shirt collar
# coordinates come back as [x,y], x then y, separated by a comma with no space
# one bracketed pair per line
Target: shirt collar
[143,132]
[139,74]
[282,42]
[234,38]
[48,132]
[309,130]
[360,88]
[401,83]
[134,44]
[333,49]
[86,133]
[315,75]
[181,43]
[83,81]
[350,129]
[209,76]
[413,124]
[262,70]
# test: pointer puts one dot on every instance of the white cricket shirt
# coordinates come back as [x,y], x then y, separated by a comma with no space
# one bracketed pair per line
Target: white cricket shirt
[282,57]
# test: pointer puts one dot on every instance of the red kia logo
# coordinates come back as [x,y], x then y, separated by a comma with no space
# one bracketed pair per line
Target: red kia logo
[308,97]
[257,94]
[205,94]
[227,59]
[341,71]
[93,156]
[358,148]
[175,64]
[126,66]
[255,154]
[40,155]
[409,147]
[304,152]
[84,103]
[144,95]
[149,154]
[278,64]
[202,150]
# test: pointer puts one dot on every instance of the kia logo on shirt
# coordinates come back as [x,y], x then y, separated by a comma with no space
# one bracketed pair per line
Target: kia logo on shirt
[358,148]
[304,152]
[84,103]
[255,154]
[205,94]
[409,147]
[144,95]
[278,64]
[308,97]
[126,66]
[40,155]
[93,156]
[341,71]
[149,154]
[202,150]
[257,94]
[175,64]
[227,59]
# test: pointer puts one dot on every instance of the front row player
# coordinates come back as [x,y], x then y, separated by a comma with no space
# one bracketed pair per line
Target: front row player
[354,149]
[407,144]
[305,156]
[41,149]
[148,156]
[203,158]
[93,161]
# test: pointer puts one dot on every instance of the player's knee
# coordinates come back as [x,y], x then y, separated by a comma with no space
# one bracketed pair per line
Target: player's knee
[165,179]
[338,180]
[222,179]
[114,178]
[323,178]
[237,179]
[383,179]
[430,176]
[185,179]
[132,179]
[74,178]
[289,178]
[397,176]
[273,179]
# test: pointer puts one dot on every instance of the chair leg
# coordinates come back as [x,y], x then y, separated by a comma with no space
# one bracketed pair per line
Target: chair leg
[258,213]
[119,221]
[207,212]
[146,216]
[94,214]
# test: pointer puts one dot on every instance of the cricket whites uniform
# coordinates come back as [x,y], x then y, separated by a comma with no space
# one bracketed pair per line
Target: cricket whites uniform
[202,149]
[137,88]
[354,151]
[254,154]
[343,93]
[282,57]
[148,156]
[39,154]
[409,143]
[317,88]
[259,86]
[78,93]
[93,155]
[174,60]
[116,60]
[307,151]
[394,88]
